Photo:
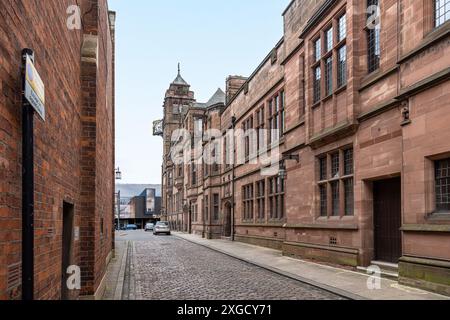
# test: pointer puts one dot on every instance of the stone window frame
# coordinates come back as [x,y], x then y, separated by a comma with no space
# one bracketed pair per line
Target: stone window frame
[261,200]
[247,125]
[302,86]
[319,71]
[206,212]
[276,194]
[430,188]
[260,124]
[194,212]
[194,174]
[373,39]
[332,202]
[276,109]
[216,207]
[438,14]
[248,202]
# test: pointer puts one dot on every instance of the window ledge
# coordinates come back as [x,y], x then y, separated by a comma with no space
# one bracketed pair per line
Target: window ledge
[328,97]
[316,104]
[340,89]
[439,216]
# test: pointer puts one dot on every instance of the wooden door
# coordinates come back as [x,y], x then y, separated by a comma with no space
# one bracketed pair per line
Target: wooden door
[388,220]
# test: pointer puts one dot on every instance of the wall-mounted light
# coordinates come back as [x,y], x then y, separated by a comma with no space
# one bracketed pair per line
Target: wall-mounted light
[118,174]
[283,171]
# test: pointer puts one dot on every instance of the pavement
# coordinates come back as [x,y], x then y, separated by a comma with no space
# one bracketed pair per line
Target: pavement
[187,267]
[115,273]
[347,283]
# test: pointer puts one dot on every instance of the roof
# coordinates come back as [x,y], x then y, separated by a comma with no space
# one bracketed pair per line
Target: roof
[179,79]
[133,190]
[218,97]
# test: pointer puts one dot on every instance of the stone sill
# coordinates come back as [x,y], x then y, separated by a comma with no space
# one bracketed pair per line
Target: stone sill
[426,228]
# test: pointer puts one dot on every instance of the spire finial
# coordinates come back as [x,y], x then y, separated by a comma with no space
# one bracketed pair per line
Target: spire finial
[179,69]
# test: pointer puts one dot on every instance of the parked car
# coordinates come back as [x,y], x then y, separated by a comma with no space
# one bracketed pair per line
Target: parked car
[149,227]
[131,227]
[162,228]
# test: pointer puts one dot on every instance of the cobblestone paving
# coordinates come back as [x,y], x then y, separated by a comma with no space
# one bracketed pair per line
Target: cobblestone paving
[169,268]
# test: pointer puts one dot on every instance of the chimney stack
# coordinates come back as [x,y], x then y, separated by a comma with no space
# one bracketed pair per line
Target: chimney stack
[234,83]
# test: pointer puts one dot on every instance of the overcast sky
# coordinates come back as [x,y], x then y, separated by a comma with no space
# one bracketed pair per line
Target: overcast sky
[211,39]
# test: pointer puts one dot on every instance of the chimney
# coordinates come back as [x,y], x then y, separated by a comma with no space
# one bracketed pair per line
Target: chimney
[234,83]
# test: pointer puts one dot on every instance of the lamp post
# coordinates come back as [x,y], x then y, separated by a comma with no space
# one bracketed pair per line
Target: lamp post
[118,177]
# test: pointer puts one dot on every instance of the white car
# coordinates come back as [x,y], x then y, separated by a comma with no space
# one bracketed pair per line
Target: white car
[149,227]
[162,228]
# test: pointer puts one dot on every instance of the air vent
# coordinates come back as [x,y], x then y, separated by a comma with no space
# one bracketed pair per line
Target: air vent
[333,241]
[14,276]
[50,232]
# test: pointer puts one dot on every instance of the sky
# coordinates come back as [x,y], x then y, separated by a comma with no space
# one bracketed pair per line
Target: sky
[211,39]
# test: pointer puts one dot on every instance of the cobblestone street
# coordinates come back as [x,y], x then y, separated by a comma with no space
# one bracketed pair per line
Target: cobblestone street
[169,268]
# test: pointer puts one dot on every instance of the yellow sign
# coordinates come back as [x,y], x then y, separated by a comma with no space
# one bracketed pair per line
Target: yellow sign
[34,88]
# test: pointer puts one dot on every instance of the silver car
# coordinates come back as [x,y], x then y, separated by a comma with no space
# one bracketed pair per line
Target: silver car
[162,228]
[149,227]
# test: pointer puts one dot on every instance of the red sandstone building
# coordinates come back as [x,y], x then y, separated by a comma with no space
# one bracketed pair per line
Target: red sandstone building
[74,147]
[363,104]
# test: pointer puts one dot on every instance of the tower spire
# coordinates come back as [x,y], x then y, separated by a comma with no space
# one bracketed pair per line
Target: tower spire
[179,69]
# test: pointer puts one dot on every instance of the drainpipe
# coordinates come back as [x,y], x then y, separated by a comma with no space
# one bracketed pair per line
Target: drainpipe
[27,191]
[233,176]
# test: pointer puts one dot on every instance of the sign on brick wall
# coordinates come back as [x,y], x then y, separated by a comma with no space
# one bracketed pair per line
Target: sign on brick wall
[34,89]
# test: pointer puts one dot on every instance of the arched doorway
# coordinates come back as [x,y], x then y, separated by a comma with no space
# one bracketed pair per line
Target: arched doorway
[227,225]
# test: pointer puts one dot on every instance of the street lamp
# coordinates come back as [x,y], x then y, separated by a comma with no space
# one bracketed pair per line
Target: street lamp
[118,177]
[118,174]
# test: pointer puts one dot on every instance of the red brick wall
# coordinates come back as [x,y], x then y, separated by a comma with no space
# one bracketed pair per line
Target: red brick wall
[41,25]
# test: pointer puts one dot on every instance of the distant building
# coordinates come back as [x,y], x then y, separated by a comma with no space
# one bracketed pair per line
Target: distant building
[139,204]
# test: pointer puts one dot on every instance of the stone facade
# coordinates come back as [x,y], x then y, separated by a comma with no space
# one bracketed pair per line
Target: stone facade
[74,147]
[370,136]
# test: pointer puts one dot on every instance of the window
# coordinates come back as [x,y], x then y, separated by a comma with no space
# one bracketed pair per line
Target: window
[215,166]
[246,126]
[277,116]
[317,49]
[335,198]
[323,200]
[194,212]
[348,162]
[205,170]
[323,169]
[247,196]
[342,28]
[194,174]
[342,66]
[332,184]
[349,198]
[329,39]
[317,78]
[443,185]
[373,41]
[442,12]
[329,76]
[206,208]
[260,117]
[276,198]
[260,199]
[216,205]
[282,113]
[335,166]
